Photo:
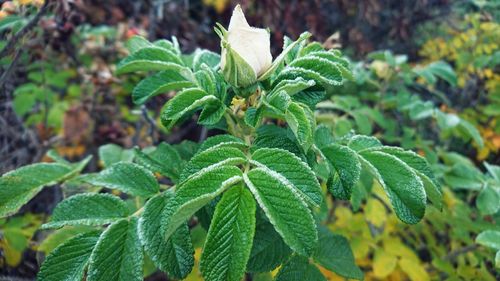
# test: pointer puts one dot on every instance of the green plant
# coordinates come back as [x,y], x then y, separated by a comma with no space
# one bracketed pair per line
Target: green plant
[257,190]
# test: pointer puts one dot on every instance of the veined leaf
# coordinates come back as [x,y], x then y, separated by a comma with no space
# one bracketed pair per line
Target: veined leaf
[218,155]
[219,139]
[268,249]
[117,254]
[152,58]
[164,160]
[173,256]
[292,87]
[291,171]
[285,208]
[205,57]
[323,71]
[88,209]
[212,113]
[183,103]
[360,142]
[347,170]
[68,261]
[276,137]
[161,82]
[331,55]
[402,185]
[309,98]
[299,269]
[278,102]
[300,119]
[335,254]
[19,186]
[323,136]
[172,46]
[127,177]
[195,193]
[136,43]
[421,168]
[229,239]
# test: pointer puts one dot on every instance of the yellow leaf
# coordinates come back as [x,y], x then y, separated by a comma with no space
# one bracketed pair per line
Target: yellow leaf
[383,263]
[360,247]
[375,212]
[414,270]
[12,256]
[393,245]
[342,216]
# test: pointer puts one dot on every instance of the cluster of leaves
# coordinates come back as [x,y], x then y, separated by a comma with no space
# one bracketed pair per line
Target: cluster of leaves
[474,52]
[256,192]
[387,97]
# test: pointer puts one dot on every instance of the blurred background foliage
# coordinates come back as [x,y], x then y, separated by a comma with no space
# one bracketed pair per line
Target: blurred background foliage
[426,77]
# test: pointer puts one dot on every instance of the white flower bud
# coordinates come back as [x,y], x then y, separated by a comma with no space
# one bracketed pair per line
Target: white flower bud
[253,45]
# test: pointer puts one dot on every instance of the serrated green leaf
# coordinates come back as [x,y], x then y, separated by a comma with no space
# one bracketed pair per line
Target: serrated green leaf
[422,169]
[322,71]
[292,87]
[60,236]
[185,102]
[310,48]
[278,101]
[229,239]
[309,98]
[219,139]
[346,170]
[68,261]
[335,254]
[173,256]
[112,153]
[164,160]
[195,193]
[127,177]
[290,170]
[152,58]
[276,137]
[360,142]
[136,43]
[209,58]
[172,46]
[299,118]
[117,254]
[212,113]
[19,186]
[331,55]
[285,209]
[161,82]
[404,188]
[268,249]
[298,268]
[489,238]
[218,155]
[323,136]
[88,209]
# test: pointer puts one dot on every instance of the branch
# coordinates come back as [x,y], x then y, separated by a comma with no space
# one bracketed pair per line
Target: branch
[454,254]
[33,22]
